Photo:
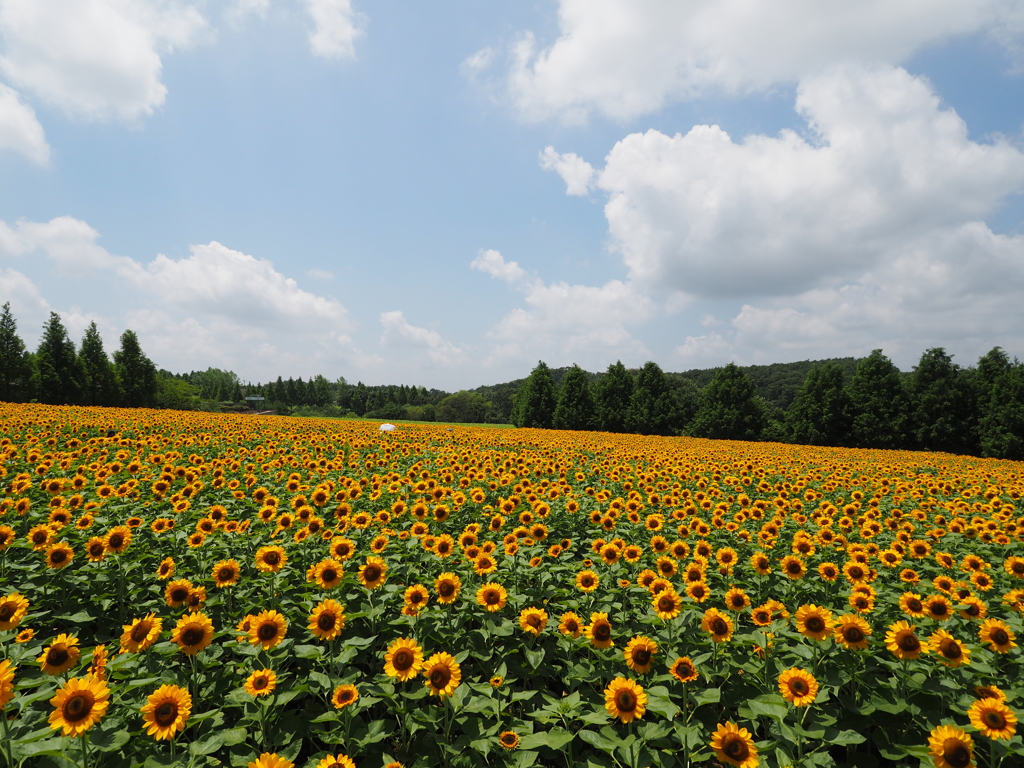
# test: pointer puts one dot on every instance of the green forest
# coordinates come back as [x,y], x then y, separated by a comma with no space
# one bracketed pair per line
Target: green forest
[844,402]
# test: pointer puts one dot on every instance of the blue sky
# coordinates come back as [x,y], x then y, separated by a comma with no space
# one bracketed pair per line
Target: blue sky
[442,194]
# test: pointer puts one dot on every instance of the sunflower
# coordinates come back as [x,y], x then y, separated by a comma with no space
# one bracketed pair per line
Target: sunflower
[271,760]
[973,608]
[736,599]
[226,573]
[344,695]
[118,538]
[447,585]
[599,631]
[60,655]
[492,596]
[341,761]
[6,682]
[951,747]
[587,581]
[533,620]
[951,651]
[40,537]
[497,681]
[761,616]
[95,549]
[793,567]
[625,699]
[798,687]
[717,624]
[698,591]
[13,608]
[443,674]
[814,622]
[372,574]
[177,592]
[403,659]
[79,705]
[993,718]
[193,632]
[998,635]
[683,670]
[327,573]
[570,625]
[939,608]
[196,540]
[639,654]
[509,740]
[165,570]
[267,629]
[901,640]
[25,635]
[327,620]
[989,692]
[166,710]
[734,745]
[261,682]
[59,555]
[667,604]
[852,632]
[270,559]
[761,563]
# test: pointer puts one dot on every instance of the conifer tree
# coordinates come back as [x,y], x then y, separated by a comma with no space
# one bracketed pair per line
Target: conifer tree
[820,413]
[612,394]
[879,402]
[1001,426]
[943,412]
[651,406]
[729,409]
[135,372]
[60,375]
[575,406]
[536,399]
[15,365]
[99,383]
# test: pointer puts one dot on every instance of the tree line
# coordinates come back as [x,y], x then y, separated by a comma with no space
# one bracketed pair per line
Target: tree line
[938,406]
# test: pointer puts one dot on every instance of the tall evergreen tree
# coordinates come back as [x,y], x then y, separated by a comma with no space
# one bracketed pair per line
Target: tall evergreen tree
[729,408]
[880,406]
[943,407]
[820,413]
[99,383]
[612,395]
[60,375]
[135,372]
[536,399]
[651,406]
[15,365]
[1001,425]
[575,406]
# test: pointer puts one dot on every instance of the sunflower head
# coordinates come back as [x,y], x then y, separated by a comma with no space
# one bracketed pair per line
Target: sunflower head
[683,670]
[403,659]
[447,587]
[997,635]
[734,745]
[166,710]
[852,632]
[570,624]
[267,629]
[492,596]
[625,699]
[798,687]
[993,718]
[60,656]
[717,624]
[193,633]
[344,695]
[327,620]
[13,608]
[903,642]
[372,573]
[951,747]
[79,705]
[261,682]
[814,622]
[599,631]
[509,739]
[442,674]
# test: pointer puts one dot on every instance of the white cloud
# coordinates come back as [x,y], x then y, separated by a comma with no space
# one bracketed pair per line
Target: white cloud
[576,172]
[625,58]
[70,243]
[492,263]
[563,322]
[29,308]
[240,9]
[477,62]
[885,165]
[94,59]
[399,333]
[338,26]
[20,131]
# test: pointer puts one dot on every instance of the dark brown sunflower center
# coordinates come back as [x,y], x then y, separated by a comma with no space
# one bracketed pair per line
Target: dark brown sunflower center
[165,714]
[444,546]
[939,609]
[267,631]
[793,567]
[78,706]
[685,670]
[96,549]
[571,625]
[260,682]
[492,597]
[602,632]
[446,589]
[994,720]
[39,538]
[642,657]
[342,550]
[226,574]
[6,612]
[853,634]
[326,621]
[179,594]
[139,631]
[999,636]
[192,636]
[402,660]
[271,558]
[345,696]
[914,605]
[798,687]
[666,604]
[533,620]
[735,747]
[957,754]
[815,624]
[509,739]
[116,541]
[329,574]
[908,642]
[625,701]
[587,581]
[372,573]
[950,649]
[439,677]
[57,656]
[719,627]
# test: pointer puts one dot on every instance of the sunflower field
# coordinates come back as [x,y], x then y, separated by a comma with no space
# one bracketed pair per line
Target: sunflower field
[203,590]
